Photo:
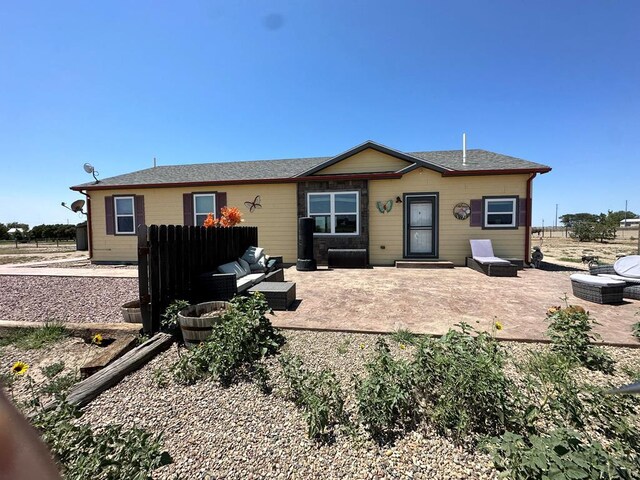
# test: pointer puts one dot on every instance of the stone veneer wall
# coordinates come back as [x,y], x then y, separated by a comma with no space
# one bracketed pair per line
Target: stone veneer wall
[324,242]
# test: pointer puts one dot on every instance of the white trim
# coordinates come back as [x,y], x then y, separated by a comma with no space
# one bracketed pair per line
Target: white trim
[514,212]
[132,214]
[195,213]
[332,213]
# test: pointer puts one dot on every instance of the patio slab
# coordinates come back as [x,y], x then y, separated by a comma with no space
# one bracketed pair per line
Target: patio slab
[385,299]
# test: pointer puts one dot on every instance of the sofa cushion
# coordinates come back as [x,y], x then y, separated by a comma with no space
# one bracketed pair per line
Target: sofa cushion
[260,265]
[252,254]
[628,266]
[492,261]
[245,265]
[255,277]
[244,283]
[232,267]
[618,277]
[593,280]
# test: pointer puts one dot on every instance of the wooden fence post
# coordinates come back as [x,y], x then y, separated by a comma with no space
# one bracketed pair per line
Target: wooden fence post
[143,279]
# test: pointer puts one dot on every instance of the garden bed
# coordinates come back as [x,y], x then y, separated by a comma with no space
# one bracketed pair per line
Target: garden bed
[239,431]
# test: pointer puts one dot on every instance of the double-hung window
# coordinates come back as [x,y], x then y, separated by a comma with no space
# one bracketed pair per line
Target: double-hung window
[203,205]
[500,212]
[125,215]
[335,213]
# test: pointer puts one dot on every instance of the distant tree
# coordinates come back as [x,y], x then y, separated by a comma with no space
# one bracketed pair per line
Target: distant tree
[23,226]
[3,231]
[601,228]
[570,219]
[58,231]
[619,216]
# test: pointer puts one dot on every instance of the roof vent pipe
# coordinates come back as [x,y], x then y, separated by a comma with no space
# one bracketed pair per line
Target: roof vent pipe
[154,162]
[464,149]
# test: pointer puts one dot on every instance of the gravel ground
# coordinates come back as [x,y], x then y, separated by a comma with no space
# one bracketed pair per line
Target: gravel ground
[65,299]
[239,432]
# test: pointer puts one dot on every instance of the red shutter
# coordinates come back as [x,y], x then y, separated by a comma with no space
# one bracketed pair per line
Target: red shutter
[522,212]
[475,219]
[139,201]
[221,201]
[108,213]
[187,208]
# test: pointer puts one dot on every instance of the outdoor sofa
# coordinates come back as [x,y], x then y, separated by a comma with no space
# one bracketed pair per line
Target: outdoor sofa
[626,269]
[240,275]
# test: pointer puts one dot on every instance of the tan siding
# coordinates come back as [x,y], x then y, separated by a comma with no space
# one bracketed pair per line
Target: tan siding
[276,220]
[368,160]
[387,229]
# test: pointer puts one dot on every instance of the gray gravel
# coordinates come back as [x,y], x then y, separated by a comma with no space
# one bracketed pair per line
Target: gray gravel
[65,299]
[239,432]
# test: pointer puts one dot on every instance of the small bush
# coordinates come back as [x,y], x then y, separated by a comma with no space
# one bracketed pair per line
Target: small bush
[386,396]
[237,344]
[570,331]
[563,454]
[169,319]
[318,394]
[52,370]
[111,453]
[462,383]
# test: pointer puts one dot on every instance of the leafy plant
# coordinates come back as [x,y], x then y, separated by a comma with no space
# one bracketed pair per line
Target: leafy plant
[111,453]
[59,385]
[52,370]
[243,338]
[386,396]
[635,329]
[563,454]
[318,394]
[462,385]
[33,338]
[160,377]
[169,319]
[405,337]
[570,331]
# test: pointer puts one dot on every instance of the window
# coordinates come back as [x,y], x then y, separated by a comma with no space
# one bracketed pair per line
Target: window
[335,213]
[500,212]
[203,205]
[125,216]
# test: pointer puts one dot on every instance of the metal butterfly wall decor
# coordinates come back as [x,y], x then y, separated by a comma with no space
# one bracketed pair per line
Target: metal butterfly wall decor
[253,205]
[384,207]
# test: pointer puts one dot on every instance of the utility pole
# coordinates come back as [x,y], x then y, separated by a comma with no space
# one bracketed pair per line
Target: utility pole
[625,217]
[543,228]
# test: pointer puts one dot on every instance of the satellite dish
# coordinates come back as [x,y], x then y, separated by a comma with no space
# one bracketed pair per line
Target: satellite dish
[89,169]
[77,206]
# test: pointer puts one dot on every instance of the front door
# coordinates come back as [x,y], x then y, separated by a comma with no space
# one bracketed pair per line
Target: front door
[420,225]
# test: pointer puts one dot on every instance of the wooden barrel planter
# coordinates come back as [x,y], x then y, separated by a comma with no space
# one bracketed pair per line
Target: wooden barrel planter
[197,321]
[131,312]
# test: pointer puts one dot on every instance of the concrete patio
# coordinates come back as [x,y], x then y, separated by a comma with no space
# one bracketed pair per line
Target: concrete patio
[385,299]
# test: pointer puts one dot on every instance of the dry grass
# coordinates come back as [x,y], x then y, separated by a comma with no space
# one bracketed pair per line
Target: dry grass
[564,249]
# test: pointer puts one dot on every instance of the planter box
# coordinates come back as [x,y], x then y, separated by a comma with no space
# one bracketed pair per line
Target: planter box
[196,329]
[131,312]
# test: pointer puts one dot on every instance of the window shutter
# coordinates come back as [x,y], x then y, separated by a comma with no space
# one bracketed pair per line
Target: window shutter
[139,201]
[109,216]
[221,201]
[475,219]
[187,208]
[522,212]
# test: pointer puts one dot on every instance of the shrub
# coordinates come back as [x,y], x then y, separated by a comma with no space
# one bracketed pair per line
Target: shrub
[386,396]
[563,454]
[317,394]
[635,329]
[111,453]
[237,344]
[462,383]
[169,319]
[405,337]
[570,331]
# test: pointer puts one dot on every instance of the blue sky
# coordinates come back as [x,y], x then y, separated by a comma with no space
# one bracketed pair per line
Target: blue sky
[118,83]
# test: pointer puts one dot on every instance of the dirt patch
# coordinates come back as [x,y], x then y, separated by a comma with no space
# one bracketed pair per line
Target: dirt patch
[568,250]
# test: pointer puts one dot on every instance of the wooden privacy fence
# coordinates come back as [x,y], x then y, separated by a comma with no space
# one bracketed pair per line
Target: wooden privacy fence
[171,257]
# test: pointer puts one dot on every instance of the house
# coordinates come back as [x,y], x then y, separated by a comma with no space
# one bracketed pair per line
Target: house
[397,205]
[630,222]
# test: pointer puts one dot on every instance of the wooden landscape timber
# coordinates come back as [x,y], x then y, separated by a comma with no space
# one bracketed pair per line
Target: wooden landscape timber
[86,390]
[108,354]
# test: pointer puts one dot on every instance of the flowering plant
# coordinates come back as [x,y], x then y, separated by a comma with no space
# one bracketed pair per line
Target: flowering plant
[229,217]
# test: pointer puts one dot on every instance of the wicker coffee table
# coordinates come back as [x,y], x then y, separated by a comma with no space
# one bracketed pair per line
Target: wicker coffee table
[279,295]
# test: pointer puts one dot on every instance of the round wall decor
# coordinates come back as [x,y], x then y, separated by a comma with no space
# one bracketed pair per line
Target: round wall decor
[462,211]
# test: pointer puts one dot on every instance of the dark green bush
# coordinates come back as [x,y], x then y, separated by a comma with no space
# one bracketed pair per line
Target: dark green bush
[462,383]
[386,396]
[317,394]
[237,344]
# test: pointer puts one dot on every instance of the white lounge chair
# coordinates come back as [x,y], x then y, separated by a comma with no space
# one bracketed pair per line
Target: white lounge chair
[484,261]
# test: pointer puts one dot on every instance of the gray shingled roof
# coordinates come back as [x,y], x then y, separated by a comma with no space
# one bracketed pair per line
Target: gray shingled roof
[273,169]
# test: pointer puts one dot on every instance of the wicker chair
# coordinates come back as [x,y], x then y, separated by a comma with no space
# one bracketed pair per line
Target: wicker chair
[484,261]
[631,291]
